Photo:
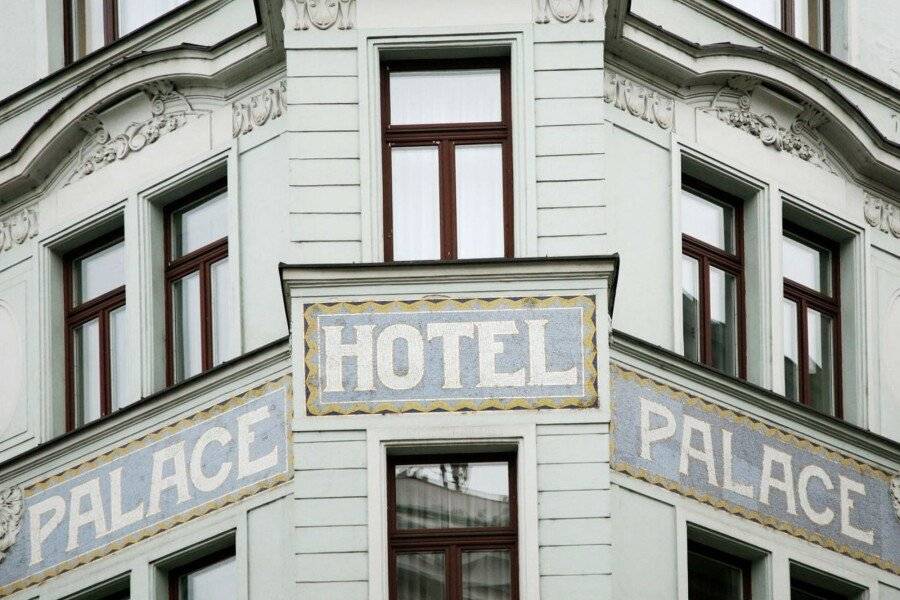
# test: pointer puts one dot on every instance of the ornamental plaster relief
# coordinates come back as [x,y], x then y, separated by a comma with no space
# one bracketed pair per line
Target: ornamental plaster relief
[735,104]
[10,518]
[266,105]
[564,11]
[321,14]
[895,494]
[169,110]
[882,215]
[18,228]
[638,100]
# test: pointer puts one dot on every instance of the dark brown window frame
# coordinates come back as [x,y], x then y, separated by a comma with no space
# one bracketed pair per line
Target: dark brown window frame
[452,541]
[743,564]
[197,261]
[788,25]
[175,575]
[96,308]
[708,256]
[807,298]
[110,27]
[446,136]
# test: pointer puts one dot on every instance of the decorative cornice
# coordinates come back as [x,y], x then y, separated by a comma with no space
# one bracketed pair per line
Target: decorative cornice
[732,104]
[882,215]
[564,11]
[18,228]
[10,518]
[169,109]
[265,105]
[322,14]
[638,100]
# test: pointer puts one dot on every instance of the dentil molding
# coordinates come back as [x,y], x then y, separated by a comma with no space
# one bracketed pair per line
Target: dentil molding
[733,106]
[16,229]
[638,100]
[169,110]
[882,215]
[321,14]
[564,11]
[10,518]
[261,107]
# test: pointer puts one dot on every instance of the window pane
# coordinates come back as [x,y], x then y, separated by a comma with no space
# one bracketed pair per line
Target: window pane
[791,351]
[723,320]
[479,201]
[452,495]
[821,361]
[87,26]
[461,96]
[118,358]
[95,274]
[486,575]
[806,264]
[707,221]
[199,224]
[135,13]
[222,317]
[420,576]
[690,307]
[711,579]
[186,326]
[86,376]
[215,582]
[414,203]
[764,10]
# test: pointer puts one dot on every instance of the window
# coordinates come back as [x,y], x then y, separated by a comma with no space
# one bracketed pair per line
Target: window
[800,590]
[96,332]
[212,577]
[806,20]
[716,575]
[198,284]
[92,24]
[452,527]
[447,158]
[811,308]
[712,275]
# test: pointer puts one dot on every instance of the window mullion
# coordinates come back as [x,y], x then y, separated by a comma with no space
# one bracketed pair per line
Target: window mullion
[206,341]
[105,380]
[705,317]
[803,350]
[447,172]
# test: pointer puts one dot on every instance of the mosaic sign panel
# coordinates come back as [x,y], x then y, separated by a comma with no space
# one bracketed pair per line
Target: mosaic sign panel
[207,461]
[472,354]
[748,468]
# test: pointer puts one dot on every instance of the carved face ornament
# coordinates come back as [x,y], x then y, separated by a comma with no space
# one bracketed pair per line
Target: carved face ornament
[565,10]
[10,518]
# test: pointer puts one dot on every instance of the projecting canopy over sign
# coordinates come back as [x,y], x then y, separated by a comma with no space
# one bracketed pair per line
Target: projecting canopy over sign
[425,355]
[751,469]
[212,459]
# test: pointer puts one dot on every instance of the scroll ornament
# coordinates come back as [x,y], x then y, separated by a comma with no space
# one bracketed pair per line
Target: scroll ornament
[564,11]
[798,139]
[169,110]
[882,215]
[322,14]
[17,229]
[269,104]
[10,518]
[639,101]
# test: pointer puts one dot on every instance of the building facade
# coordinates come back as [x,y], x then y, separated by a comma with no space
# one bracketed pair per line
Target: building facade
[488,300]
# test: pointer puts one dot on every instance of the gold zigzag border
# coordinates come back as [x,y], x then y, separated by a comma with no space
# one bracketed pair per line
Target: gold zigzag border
[311,353]
[768,431]
[283,382]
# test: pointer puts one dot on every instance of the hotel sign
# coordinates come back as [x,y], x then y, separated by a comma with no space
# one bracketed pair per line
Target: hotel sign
[754,470]
[209,460]
[465,354]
